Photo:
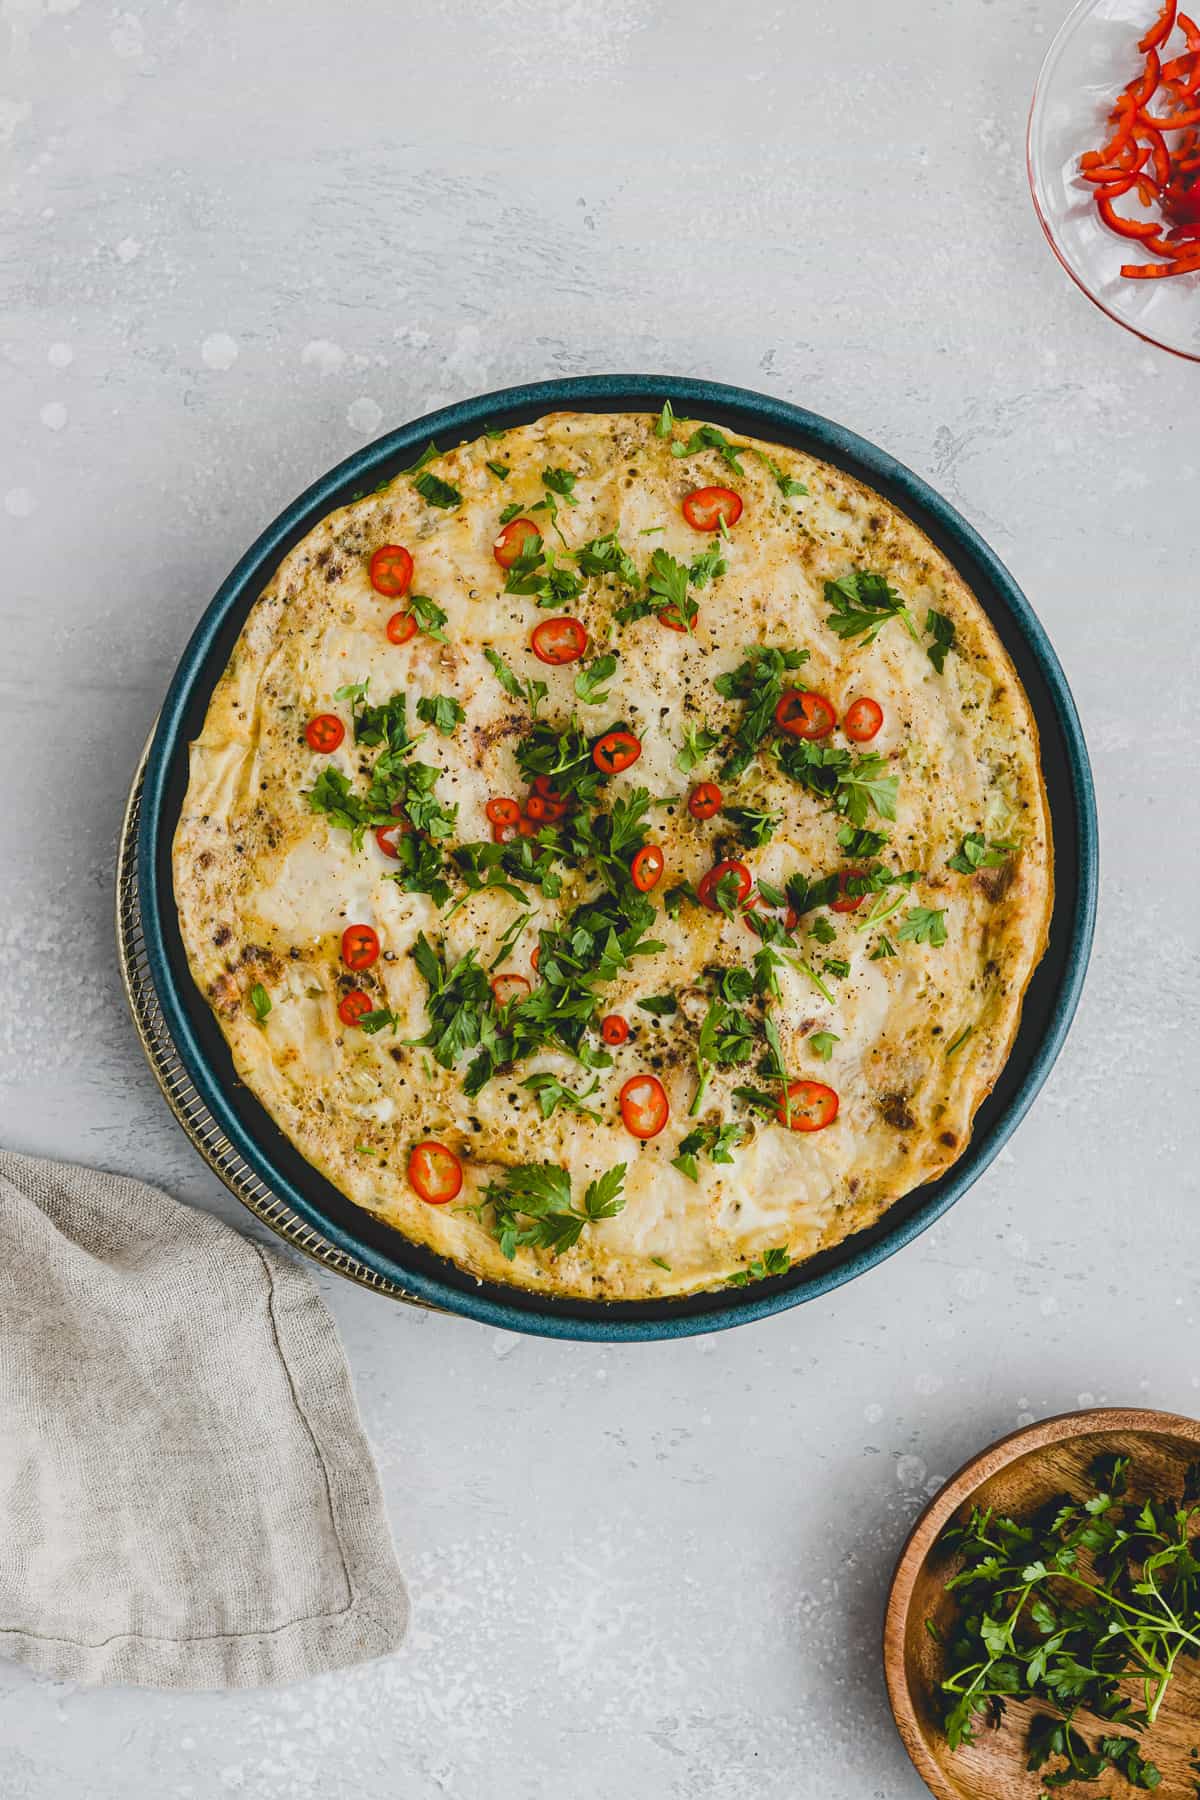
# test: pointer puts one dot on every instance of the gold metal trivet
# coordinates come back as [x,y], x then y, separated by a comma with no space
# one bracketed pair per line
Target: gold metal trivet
[182,1097]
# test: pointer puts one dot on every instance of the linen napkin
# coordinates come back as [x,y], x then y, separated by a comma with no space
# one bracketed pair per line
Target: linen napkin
[187,1499]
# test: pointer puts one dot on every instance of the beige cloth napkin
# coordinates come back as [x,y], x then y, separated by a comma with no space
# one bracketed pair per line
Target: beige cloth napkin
[187,1499]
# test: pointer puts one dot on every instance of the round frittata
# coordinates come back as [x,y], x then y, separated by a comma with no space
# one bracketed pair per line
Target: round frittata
[616,853]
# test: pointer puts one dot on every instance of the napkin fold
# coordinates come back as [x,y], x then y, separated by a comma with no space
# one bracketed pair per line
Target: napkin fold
[187,1498]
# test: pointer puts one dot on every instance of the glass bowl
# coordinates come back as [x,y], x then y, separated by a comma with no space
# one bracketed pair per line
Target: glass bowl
[1093,57]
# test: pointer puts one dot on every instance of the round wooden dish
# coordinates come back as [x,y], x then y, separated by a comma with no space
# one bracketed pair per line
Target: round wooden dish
[1016,1476]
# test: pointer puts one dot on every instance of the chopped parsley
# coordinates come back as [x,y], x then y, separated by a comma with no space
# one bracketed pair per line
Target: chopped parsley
[605,556]
[958,1042]
[787,484]
[260,1000]
[552,1093]
[883,948]
[429,616]
[437,492]
[862,603]
[942,631]
[717,1142]
[759,683]
[665,420]
[660,1006]
[976,853]
[590,683]
[561,482]
[531,692]
[853,785]
[500,470]
[379,1020]
[511,511]
[776,1261]
[753,827]
[531,1206]
[822,1044]
[695,747]
[923,925]
[441,711]
[708,437]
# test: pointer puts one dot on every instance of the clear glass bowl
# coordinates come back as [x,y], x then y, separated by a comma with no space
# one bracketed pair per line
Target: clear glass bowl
[1090,61]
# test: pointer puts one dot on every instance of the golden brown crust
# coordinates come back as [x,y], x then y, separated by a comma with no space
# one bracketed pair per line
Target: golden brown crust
[265,886]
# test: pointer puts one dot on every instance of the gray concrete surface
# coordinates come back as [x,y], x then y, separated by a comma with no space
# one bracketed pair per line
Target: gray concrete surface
[236,241]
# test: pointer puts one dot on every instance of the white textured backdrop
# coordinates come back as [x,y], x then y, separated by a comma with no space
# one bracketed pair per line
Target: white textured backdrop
[238,241]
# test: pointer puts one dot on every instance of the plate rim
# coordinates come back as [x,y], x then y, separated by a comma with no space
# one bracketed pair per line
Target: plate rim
[842,446]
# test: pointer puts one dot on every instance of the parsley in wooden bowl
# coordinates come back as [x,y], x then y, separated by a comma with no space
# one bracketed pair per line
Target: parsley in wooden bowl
[1043,1627]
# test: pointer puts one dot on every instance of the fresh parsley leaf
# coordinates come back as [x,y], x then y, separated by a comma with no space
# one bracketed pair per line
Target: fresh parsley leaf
[853,785]
[660,1006]
[437,492]
[822,1043]
[605,556]
[260,1000]
[883,948]
[561,482]
[354,691]
[787,484]
[696,745]
[441,711]
[667,585]
[379,1020]
[511,511]
[531,692]
[958,1042]
[923,925]
[942,630]
[759,683]
[429,454]
[753,827]
[429,616]
[776,1261]
[500,470]
[590,682]
[666,420]
[708,437]
[975,853]
[552,1093]
[862,603]
[857,841]
[717,1142]
[531,1206]
[707,566]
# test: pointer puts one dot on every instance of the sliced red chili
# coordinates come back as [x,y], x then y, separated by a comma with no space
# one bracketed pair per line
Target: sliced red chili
[509,987]
[324,733]
[803,714]
[644,1106]
[1161,30]
[811,1106]
[705,508]
[647,867]
[400,627]
[848,903]
[527,828]
[435,1172]
[360,946]
[862,720]
[558,641]
[542,784]
[1129,228]
[387,836]
[391,570]
[537,807]
[669,616]
[353,1005]
[512,540]
[614,1029]
[535,956]
[505,831]
[615,751]
[707,890]
[704,801]
[502,811]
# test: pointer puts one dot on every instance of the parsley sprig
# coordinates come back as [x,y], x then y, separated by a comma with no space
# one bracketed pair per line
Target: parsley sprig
[758,683]
[531,1206]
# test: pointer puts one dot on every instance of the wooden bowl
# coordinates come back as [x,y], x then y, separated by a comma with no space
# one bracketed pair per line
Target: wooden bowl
[1017,1475]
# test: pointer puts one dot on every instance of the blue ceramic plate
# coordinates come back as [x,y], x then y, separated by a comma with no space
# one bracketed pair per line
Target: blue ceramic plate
[1049,1004]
